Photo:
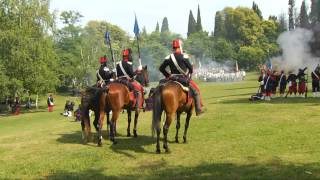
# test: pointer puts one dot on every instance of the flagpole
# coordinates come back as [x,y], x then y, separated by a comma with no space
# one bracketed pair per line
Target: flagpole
[108,41]
[136,32]
[139,51]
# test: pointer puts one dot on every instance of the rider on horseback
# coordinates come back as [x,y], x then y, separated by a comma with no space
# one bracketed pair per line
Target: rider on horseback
[181,70]
[104,74]
[126,74]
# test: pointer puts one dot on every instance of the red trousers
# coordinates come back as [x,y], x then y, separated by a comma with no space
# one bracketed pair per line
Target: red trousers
[196,87]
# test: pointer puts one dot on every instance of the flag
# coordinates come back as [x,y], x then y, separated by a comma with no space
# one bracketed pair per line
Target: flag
[136,29]
[237,67]
[107,37]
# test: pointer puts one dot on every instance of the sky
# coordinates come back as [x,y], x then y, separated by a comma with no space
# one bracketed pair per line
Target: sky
[149,12]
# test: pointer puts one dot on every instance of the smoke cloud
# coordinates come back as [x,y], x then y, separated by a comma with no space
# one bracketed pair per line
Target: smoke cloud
[296,51]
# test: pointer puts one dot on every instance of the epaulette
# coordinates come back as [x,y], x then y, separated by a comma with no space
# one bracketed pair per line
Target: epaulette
[129,63]
[168,57]
[185,56]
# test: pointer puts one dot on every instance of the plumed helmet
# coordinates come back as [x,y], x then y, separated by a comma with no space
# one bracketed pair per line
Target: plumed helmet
[103,59]
[127,54]
[176,43]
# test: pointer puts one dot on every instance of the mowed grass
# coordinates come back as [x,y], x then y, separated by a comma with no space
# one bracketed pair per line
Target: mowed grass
[234,139]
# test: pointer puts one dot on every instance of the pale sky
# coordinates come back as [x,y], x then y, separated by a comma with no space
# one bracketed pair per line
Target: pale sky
[121,12]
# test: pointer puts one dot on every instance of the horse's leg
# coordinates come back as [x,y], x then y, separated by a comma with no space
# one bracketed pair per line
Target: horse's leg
[178,127]
[100,124]
[136,117]
[166,130]
[86,129]
[108,124]
[129,122]
[115,115]
[186,127]
[158,130]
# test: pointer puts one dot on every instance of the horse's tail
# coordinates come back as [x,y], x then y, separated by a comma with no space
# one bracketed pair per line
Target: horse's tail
[157,109]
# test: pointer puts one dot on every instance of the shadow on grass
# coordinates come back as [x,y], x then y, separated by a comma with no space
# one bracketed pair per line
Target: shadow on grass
[131,144]
[159,170]
[231,95]
[239,88]
[277,100]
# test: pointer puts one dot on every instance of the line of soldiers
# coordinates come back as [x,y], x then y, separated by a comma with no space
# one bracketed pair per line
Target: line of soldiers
[178,64]
[271,80]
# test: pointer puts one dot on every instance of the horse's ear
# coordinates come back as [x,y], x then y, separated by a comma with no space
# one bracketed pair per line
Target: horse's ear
[145,67]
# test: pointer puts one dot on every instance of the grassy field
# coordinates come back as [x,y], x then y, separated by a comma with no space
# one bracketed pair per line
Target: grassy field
[234,139]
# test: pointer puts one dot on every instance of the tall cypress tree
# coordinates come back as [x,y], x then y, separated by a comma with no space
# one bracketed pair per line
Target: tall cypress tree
[256,9]
[314,12]
[192,24]
[303,17]
[157,28]
[283,23]
[199,25]
[219,30]
[165,25]
[291,14]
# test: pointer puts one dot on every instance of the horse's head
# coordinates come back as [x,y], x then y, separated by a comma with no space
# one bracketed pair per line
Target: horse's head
[143,76]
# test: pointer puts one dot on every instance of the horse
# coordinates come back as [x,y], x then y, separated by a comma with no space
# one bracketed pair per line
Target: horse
[173,100]
[90,101]
[116,99]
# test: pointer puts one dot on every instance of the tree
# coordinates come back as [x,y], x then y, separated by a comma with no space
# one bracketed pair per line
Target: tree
[313,16]
[199,25]
[219,27]
[27,53]
[291,14]
[192,24]
[165,25]
[256,9]
[157,28]
[303,17]
[283,23]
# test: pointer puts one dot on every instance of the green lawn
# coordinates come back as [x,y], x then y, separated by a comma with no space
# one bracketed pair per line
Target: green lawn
[234,139]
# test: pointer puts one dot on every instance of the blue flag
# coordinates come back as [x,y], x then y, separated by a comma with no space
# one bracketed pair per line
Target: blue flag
[136,27]
[107,37]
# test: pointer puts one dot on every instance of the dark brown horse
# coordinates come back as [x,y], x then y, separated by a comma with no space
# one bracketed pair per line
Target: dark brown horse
[116,99]
[173,100]
[89,101]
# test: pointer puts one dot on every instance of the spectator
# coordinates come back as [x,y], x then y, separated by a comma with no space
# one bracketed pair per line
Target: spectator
[50,103]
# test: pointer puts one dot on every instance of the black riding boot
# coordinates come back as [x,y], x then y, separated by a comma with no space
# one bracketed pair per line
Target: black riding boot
[197,102]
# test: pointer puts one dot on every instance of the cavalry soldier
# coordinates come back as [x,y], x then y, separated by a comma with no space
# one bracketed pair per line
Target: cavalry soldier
[104,74]
[302,81]
[282,83]
[181,70]
[125,75]
[315,75]
[292,82]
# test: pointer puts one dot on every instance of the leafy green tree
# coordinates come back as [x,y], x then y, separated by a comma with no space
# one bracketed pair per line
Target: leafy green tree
[192,24]
[199,24]
[249,57]
[165,25]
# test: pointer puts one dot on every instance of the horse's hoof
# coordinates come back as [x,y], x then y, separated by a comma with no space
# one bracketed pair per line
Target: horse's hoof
[115,142]
[99,144]
[167,150]
[177,140]
[158,151]
[135,135]
[184,140]
[128,135]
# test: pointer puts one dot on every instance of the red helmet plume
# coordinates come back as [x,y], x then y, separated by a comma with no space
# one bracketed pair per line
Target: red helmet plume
[176,43]
[103,59]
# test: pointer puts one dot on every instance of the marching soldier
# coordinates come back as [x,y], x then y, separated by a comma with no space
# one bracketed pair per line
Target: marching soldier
[315,75]
[302,81]
[282,83]
[181,70]
[292,83]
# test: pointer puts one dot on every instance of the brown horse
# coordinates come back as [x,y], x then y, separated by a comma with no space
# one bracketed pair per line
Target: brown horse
[116,99]
[173,100]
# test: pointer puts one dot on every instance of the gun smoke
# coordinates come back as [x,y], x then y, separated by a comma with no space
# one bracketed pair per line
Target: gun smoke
[296,51]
